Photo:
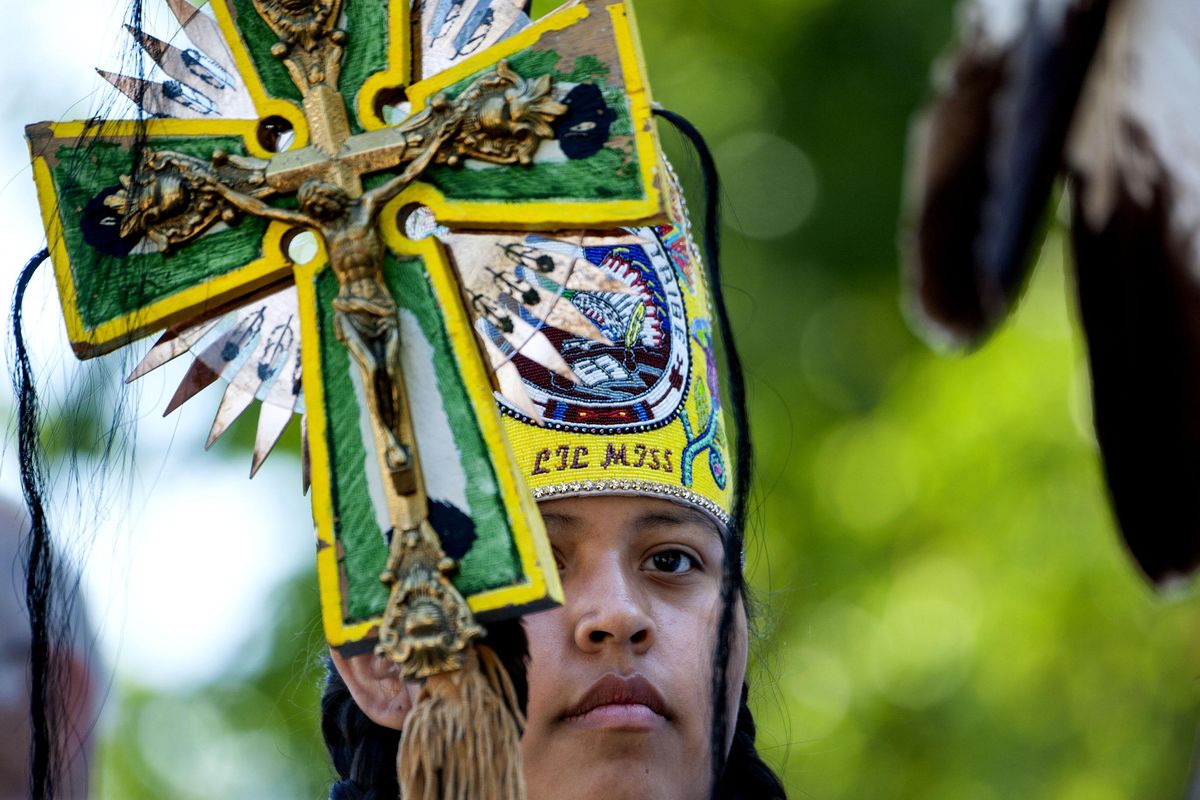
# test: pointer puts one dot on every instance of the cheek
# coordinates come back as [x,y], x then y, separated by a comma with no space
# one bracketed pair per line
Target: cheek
[545,632]
[688,636]
[685,635]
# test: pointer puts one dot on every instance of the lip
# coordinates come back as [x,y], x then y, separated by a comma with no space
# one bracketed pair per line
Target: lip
[619,703]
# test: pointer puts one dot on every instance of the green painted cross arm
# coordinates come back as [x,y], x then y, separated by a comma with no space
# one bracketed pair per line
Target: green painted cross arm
[599,169]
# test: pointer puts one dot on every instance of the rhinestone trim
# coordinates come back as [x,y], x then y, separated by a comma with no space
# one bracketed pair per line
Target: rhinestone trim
[632,486]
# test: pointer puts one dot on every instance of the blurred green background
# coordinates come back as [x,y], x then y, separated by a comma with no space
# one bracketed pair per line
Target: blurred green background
[946,610]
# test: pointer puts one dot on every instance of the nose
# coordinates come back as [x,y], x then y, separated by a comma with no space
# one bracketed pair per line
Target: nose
[610,610]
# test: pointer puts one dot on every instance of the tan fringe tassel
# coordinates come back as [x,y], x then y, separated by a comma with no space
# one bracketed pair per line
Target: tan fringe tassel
[462,738]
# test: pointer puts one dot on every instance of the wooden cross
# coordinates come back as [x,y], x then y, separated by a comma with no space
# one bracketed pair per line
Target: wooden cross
[204,209]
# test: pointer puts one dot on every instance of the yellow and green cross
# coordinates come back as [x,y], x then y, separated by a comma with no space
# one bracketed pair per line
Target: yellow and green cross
[163,222]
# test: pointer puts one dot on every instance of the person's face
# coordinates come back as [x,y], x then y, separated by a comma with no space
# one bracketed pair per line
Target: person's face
[620,675]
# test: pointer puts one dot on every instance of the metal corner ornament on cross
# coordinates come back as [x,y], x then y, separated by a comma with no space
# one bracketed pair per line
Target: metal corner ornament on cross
[170,222]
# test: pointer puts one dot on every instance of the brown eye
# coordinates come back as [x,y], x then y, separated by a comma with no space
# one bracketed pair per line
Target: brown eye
[672,562]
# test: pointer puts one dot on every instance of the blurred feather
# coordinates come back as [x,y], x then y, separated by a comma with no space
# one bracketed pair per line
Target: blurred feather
[984,157]
[1106,92]
[1140,307]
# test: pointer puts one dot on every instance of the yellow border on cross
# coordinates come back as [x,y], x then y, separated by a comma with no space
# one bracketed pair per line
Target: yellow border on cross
[541,585]
[264,104]
[398,73]
[271,266]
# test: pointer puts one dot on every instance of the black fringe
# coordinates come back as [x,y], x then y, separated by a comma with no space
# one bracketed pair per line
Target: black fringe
[732,580]
[747,776]
[45,704]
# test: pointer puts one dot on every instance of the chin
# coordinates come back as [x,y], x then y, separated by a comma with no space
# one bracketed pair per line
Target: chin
[629,774]
[644,785]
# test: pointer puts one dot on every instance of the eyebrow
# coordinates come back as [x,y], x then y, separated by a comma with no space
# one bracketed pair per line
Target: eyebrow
[674,517]
[557,519]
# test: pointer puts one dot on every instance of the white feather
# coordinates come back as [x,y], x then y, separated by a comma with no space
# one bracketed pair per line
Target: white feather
[1146,76]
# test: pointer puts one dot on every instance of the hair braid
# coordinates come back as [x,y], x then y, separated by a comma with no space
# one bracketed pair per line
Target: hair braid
[747,776]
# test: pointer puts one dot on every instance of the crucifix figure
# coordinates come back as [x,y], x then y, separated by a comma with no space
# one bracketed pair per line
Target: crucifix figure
[365,312]
[499,118]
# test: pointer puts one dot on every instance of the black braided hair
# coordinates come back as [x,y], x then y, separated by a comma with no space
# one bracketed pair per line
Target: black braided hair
[747,776]
[42,591]
[363,753]
[50,594]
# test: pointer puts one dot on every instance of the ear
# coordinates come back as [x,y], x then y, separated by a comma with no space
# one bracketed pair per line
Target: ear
[377,688]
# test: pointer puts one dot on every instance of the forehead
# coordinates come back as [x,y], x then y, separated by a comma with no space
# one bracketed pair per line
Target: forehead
[621,514]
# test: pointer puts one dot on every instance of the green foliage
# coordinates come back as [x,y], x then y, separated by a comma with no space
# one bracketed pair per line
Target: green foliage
[950,611]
